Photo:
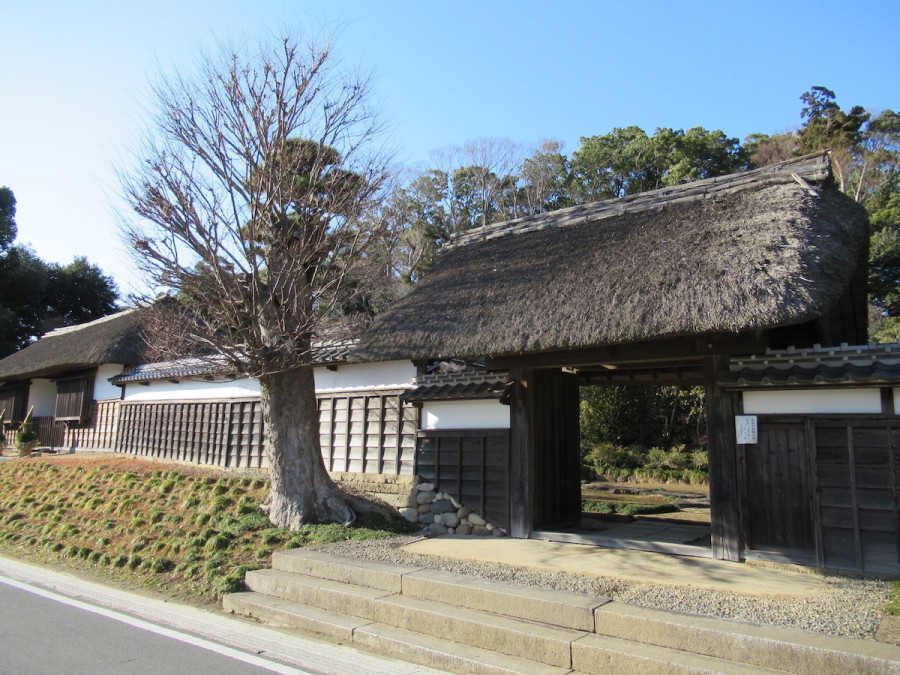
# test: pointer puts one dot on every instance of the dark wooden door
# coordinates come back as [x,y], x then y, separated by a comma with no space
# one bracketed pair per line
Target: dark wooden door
[777,491]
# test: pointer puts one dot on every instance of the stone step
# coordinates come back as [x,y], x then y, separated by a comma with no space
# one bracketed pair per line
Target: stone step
[794,651]
[356,571]
[325,594]
[601,655]
[568,610]
[388,640]
[516,637]
[436,652]
[558,608]
[291,615]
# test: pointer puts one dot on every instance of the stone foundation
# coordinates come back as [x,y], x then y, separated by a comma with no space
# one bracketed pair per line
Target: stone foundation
[396,491]
[440,513]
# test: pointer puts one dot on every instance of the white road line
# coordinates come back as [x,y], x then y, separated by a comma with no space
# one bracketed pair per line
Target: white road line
[250,659]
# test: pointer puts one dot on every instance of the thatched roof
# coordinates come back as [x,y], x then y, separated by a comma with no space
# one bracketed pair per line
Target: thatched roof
[755,250]
[112,339]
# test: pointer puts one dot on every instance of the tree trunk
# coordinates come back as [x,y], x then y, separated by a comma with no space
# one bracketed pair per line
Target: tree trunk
[301,490]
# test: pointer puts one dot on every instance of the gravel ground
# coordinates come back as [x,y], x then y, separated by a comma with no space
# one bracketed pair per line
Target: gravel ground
[850,607]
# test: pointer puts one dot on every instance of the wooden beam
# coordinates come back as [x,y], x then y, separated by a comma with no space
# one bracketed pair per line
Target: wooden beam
[727,543]
[664,351]
[521,454]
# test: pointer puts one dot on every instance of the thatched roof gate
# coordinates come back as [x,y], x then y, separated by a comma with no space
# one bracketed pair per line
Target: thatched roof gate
[657,288]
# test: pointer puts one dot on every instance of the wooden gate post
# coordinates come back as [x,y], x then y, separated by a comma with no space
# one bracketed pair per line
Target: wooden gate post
[721,444]
[521,453]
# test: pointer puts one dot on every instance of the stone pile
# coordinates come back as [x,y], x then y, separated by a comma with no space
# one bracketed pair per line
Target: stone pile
[440,513]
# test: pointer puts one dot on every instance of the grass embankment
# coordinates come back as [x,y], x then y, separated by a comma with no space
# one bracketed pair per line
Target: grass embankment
[189,532]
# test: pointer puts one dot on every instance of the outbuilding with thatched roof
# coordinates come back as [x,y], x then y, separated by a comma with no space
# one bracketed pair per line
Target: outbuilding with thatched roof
[62,377]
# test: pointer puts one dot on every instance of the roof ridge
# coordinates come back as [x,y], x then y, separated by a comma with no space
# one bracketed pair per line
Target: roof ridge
[814,167]
[81,326]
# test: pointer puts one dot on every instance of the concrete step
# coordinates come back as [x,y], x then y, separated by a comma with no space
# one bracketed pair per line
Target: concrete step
[568,610]
[794,651]
[325,594]
[436,652]
[371,573]
[601,655]
[371,602]
[292,615]
[558,608]
[516,637]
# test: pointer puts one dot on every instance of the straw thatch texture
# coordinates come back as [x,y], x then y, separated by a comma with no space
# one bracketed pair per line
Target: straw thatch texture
[756,253]
[112,339]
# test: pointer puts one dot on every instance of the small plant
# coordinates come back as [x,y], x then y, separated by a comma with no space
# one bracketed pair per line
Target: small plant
[26,438]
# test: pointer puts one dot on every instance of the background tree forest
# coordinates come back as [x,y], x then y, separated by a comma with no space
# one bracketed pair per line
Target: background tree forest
[489,181]
[37,296]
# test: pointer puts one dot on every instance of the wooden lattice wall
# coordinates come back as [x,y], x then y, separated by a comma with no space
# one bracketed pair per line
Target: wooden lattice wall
[824,491]
[361,432]
[220,433]
[470,464]
[368,432]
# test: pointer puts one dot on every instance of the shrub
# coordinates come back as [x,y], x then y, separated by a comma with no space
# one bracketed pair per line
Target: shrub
[218,542]
[161,565]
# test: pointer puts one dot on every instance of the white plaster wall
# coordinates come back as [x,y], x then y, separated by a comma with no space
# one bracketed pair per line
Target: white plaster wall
[42,395]
[833,401]
[103,390]
[188,390]
[479,414]
[354,376]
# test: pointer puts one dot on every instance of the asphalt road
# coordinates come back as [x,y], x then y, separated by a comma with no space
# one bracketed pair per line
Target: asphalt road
[55,635]
[53,622]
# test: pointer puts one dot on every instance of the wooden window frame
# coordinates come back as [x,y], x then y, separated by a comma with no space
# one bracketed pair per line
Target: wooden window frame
[15,413]
[80,394]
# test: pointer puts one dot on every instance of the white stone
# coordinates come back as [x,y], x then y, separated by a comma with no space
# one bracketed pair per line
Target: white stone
[455,503]
[439,519]
[475,519]
[425,487]
[412,515]
[489,527]
[425,497]
[449,519]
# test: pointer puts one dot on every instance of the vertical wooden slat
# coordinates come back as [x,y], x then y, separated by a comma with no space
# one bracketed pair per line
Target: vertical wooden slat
[857,535]
[818,532]
[894,500]
[382,427]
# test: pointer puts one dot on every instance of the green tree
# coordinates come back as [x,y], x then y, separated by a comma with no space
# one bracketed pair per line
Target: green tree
[628,161]
[37,296]
[8,229]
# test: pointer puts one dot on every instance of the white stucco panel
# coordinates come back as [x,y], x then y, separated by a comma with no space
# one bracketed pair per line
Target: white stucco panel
[42,395]
[103,390]
[480,414]
[191,390]
[812,401]
[362,376]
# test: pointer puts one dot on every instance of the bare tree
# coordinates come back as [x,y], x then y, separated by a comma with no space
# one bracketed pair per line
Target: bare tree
[251,195]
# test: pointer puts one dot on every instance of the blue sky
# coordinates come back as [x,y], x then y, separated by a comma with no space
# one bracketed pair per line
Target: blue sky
[73,79]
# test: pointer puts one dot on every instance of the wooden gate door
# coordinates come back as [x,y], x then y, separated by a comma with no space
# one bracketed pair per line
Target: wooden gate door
[777,497]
